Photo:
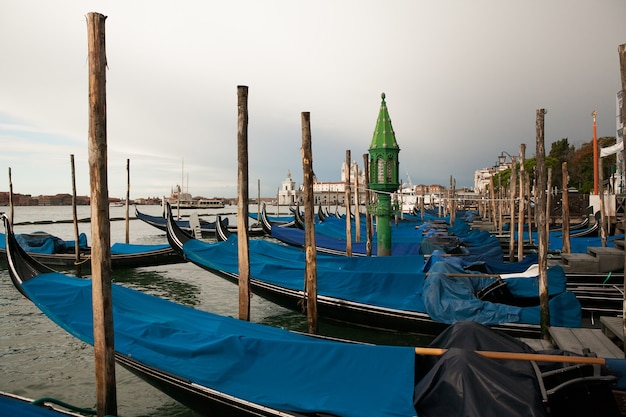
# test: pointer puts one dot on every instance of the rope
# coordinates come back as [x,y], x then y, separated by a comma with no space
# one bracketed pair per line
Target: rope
[41,403]
[83,261]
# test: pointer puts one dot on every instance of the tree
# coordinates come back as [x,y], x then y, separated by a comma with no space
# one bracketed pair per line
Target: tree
[580,166]
[560,151]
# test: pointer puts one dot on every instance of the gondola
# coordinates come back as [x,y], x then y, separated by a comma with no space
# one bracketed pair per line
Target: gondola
[351,290]
[221,366]
[123,255]
[298,217]
[320,213]
[267,224]
[580,231]
[221,233]
[160,223]
[205,226]
[408,240]
[283,220]
[589,231]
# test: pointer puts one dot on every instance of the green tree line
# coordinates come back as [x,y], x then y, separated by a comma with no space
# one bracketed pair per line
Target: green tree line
[579,165]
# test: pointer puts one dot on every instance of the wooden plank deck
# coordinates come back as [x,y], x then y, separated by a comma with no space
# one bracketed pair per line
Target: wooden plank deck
[538,344]
[613,327]
[575,340]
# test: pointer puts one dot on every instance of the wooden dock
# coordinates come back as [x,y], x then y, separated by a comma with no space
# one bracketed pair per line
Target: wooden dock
[578,340]
[581,340]
[613,327]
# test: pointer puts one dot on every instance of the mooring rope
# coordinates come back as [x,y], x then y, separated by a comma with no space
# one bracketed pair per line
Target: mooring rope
[83,261]
[41,402]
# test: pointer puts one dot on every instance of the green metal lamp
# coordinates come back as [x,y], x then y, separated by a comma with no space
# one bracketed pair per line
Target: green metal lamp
[383,176]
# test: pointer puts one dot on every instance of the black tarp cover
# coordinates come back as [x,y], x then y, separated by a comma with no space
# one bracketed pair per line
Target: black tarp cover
[464,383]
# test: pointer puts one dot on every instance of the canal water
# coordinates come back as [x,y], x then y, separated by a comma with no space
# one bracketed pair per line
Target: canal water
[39,359]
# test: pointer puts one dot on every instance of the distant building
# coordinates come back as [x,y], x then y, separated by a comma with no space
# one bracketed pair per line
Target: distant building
[482,176]
[42,200]
[481,179]
[324,192]
[288,195]
[328,192]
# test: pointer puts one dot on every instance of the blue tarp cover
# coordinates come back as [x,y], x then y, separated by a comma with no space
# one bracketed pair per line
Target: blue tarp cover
[49,244]
[399,290]
[295,236]
[266,365]
[453,299]
[130,248]
[580,244]
[41,242]
[361,280]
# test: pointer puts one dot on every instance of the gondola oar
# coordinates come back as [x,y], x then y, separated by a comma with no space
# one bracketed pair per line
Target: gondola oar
[538,357]
[616,366]
[461,275]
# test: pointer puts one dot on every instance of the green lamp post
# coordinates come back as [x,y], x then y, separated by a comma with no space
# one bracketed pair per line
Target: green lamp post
[383,176]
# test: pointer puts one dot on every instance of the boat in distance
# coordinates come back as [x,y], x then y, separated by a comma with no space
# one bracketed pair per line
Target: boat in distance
[52,251]
[183,200]
[187,225]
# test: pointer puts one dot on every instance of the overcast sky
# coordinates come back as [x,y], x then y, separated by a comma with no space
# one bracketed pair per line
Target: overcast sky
[463,81]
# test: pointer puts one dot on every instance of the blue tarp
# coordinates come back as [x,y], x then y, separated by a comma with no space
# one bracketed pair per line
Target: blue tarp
[238,357]
[48,244]
[361,283]
[580,244]
[295,236]
[360,280]
[41,242]
[130,248]
[451,299]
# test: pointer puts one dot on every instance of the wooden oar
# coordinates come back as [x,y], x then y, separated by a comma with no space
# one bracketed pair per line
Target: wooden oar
[538,357]
[472,275]
[461,275]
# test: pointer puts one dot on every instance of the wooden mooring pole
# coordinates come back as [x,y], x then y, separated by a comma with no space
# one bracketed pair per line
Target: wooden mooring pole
[368,216]
[529,216]
[512,191]
[128,201]
[10,198]
[542,230]
[242,203]
[310,282]
[548,205]
[492,200]
[347,204]
[357,211]
[258,200]
[601,196]
[100,227]
[77,261]
[565,209]
[622,69]
[522,199]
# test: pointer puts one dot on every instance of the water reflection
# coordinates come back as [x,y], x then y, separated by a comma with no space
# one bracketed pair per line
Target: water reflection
[159,284]
[296,321]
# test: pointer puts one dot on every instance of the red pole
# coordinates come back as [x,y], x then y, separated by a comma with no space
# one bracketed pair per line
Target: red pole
[595,155]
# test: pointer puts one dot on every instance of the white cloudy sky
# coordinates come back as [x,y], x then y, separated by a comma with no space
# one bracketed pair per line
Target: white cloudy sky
[463,81]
